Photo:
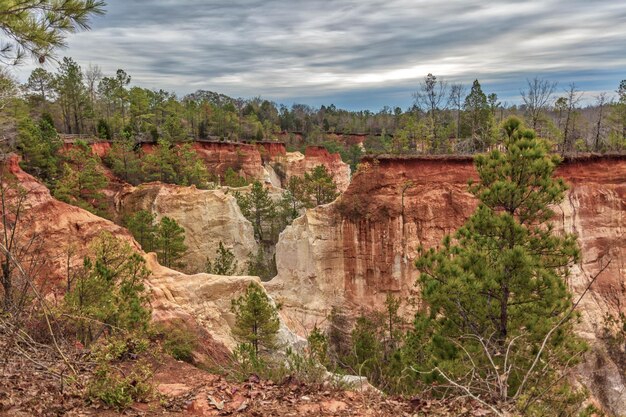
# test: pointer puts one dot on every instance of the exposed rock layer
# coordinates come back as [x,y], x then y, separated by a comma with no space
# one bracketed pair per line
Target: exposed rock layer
[297,164]
[264,161]
[208,217]
[354,251]
[200,302]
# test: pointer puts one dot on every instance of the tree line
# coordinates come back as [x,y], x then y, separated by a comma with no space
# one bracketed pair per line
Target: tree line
[444,118]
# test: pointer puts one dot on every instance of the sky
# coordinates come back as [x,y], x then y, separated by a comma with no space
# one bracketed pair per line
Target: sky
[356,54]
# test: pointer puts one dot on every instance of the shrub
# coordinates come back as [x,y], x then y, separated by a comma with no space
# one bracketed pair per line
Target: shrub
[180,343]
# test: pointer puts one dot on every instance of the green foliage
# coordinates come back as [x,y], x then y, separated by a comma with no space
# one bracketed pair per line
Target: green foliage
[72,96]
[170,242]
[232,179]
[166,238]
[124,162]
[143,228]
[108,294]
[367,344]
[189,168]
[178,341]
[159,165]
[118,347]
[38,27]
[320,186]
[498,290]
[378,351]
[479,121]
[82,179]
[256,318]
[258,207]
[224,262]
[175,165]
[318,346]
[39,144]
[119,390]
[261,265]
[248,361]
[104,130]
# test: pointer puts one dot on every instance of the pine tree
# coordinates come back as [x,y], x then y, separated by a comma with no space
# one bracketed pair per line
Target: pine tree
[109,292]
[497,290]
[261,265]
[82,179]
[478,118]
[232,179]
[143,228]
[39,144]
[124,161]
[159,165]
[38,27]
[190,169]
[170,242]
[256,318]
[320,185]
[258,207]
[224,262]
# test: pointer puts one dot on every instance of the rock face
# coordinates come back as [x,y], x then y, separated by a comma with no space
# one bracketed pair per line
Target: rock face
[200,303]
[242,158]
[296,164]
[57,227]
[208,217]
[263,161]
[354,251]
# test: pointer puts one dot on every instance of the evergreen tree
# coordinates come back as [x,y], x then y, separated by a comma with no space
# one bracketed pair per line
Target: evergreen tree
[109,293]
[143,228]
[103,130]
[82,179]
[224,262]
[38,27]
[258,207]
[190,169]
[40,84]
[320,185]
[232,179]
[261,265]
[170,243]
[478,117]
[497,291]
[124,162]
[72,95]
[39,144]
[256,318]
[159,165]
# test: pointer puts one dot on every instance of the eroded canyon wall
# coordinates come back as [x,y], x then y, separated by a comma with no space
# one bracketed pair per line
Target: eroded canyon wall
[264,161]
[208,217]
[297,164]
[198,302]
[354,251]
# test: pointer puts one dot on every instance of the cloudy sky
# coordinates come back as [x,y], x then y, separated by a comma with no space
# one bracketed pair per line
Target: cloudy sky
[356,53]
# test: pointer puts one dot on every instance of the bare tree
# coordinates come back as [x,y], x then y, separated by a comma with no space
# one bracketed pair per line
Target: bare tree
[19,245]
[457,92]
[572,98]
[601,102]
[537,98]
[93,75]
[431,99]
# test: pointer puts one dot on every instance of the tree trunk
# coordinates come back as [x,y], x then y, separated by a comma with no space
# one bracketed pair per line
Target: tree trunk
[7,285]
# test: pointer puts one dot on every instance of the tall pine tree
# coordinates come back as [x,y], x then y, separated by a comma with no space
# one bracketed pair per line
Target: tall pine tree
[496,291]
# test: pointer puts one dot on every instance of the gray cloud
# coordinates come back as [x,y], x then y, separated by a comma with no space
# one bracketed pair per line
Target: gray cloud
[363,53]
